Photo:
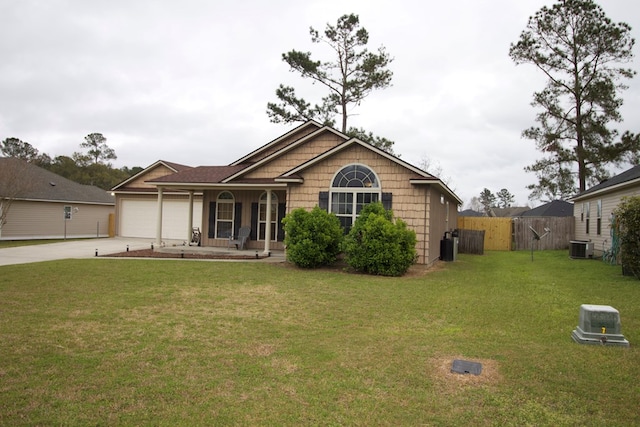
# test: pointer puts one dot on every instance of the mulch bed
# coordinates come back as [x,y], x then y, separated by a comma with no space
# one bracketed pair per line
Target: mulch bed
[150,253]
[340,266]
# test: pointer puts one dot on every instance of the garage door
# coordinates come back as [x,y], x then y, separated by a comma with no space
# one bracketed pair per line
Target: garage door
[138,218]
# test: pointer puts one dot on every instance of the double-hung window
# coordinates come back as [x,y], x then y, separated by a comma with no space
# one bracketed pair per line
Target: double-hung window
[224,215]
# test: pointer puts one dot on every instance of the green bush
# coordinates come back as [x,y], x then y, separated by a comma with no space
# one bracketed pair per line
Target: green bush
[313,238]
[627,224]
[378,245]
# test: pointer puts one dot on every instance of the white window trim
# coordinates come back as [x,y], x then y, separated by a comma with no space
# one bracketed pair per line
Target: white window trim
[220,201]
[354,191]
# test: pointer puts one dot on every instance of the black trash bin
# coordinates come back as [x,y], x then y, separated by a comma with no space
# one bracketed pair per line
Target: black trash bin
[446,247]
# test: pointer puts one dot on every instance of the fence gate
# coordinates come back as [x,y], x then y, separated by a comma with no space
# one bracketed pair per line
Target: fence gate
[497,236]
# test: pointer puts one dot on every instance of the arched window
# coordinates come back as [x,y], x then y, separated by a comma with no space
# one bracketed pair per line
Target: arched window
[224,215]
[353,187]
[262,216]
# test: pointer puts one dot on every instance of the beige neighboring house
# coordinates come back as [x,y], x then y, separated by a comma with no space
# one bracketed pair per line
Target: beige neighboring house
[312,165]
[137,205]
[38,204]
[593,208]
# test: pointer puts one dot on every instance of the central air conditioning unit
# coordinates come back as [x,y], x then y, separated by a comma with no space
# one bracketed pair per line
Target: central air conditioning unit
[580,249]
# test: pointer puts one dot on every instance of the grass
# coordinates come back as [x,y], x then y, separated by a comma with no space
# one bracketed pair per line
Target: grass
[148,342]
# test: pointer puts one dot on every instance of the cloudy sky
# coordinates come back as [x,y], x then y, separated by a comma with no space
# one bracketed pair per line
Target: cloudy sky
[188,81]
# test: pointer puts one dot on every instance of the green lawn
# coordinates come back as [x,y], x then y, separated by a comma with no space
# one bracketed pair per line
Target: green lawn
[148,342]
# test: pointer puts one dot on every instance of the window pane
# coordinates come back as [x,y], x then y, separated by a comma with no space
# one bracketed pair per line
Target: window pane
[355,176]
[342,203]
[225,211]
[364,199]
[346,222]
[223,230]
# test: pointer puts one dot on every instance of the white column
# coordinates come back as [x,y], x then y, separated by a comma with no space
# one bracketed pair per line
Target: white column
[159,219]
[190,216]
[267,230]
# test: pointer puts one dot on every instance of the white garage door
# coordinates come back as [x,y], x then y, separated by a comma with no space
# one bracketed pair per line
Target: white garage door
[138,218]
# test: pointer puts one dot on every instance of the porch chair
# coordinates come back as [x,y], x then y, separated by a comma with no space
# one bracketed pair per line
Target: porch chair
[241,239]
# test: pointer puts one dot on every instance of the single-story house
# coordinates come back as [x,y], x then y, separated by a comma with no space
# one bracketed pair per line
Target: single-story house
[311,165]
[38,204]
[593,208]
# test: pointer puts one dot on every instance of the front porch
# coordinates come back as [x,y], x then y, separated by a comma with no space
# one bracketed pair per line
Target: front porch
[180,249]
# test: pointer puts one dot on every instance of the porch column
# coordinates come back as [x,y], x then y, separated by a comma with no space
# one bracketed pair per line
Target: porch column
[159,219]
[190,229]
[267,229]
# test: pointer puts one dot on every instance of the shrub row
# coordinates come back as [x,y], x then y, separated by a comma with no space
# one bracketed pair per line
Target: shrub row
[376,244]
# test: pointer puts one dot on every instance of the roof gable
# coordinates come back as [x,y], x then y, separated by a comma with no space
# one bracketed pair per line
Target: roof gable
[421,177]
[419,173]
[46,185]
[280,142]
[155,170]
[307,139]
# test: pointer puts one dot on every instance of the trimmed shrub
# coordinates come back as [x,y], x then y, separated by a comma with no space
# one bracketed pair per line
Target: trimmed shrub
[627,227]
[376,244]
[313,238]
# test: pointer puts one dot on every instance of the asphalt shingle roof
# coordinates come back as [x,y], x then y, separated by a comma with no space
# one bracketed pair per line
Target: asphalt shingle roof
[201,174]
[41,184]
[628,175]
[553,208]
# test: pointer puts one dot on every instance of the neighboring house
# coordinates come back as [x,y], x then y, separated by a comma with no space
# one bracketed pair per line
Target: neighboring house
[312,165]
[593,208]
[509,212]
[137,205]
[555,208]
[553,220]
[39,204]
[470,213]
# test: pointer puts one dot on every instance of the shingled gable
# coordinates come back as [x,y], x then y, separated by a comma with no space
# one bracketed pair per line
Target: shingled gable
[283,151]
[171,166]
[278,143]
[421,177]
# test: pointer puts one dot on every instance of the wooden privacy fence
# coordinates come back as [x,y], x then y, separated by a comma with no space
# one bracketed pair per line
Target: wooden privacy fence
[561,232]
[471,242]
[497,236]
[505,234]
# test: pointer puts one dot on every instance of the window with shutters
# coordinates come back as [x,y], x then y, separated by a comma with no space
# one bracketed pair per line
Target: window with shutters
[353,187]
[224,215]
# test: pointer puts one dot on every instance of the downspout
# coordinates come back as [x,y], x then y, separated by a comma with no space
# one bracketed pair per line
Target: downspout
[190,230]
[159,219]
[267,228]
[427,231]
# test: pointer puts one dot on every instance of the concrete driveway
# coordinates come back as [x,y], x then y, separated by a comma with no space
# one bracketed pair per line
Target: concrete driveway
[71,249]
